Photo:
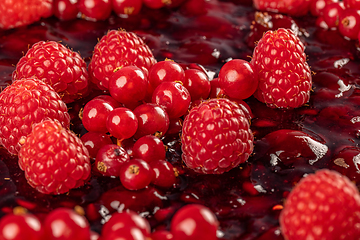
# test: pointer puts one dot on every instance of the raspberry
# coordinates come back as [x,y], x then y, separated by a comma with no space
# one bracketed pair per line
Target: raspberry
[216,137]
[54,159]
[24,103]
[291,7]
[16,13]
[284,75]
[324,205]
[58,66]
[117,49]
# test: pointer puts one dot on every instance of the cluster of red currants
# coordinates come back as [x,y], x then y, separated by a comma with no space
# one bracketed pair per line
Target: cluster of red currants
[101,9]
[341,15]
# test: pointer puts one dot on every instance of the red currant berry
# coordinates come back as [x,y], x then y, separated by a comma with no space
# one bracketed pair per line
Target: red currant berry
[95,9]
[349,23]
[354,4]
[155,4]
[66,224]
[173,97]
[121,222]
[165,71]
[175,127]
[65,9]
[331,13]
[93,141]
[149,148]
[317,6]
[162,235]
[193,222]
[128,85]
[19,227]
[164,173]
[136,174]
[197,83]
[110,159]
[127,7]
[151,119]
[122,123]
[216,91]
[95,113]
[238,79]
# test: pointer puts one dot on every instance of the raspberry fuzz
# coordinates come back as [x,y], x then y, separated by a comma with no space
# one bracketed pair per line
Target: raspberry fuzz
[24,103]
[54,159]
[284,75]
[216,137]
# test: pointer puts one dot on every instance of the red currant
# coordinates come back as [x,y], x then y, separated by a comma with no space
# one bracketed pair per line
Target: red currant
[317,6]
[164,173]
[349,23]
[331,13]
[173,97]
[354,4]
[151,119]
[162,235]
[66,224]
[238,79]
[197,83]
[122,123]
[65,9]
[193,222]
[127,7]
[135,174]
[149,148]
[19,227]
[95,114]
[95,9]
[216,91]
[110,159]
[155,4]
[128,85]
[93,141]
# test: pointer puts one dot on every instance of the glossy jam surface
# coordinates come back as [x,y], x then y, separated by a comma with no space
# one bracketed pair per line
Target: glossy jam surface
[288,143]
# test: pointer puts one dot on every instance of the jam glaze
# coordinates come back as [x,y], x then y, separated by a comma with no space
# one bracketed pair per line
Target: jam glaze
[288,143]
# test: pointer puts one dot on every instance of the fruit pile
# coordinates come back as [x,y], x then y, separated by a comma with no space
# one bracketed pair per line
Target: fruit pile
[159,125]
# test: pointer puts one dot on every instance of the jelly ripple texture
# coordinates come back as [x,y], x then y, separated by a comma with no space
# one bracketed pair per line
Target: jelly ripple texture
[288,143]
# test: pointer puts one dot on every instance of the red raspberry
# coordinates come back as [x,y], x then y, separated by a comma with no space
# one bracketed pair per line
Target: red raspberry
[16,13]
[117,49]
[58,66]
[324,205]
[284,75]
[54,159]
[291,7]
[216,137]
[24,103]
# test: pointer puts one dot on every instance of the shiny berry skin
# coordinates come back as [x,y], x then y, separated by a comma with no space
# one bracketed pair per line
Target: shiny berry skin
[128,85]
[126,7]
[117,49]
[135,174]
[161,235]
[238,79]
[127,221]
[316,206]
[65,9]
[24,103]
[197,83]
[354,4]
[149,148]
[122,123]
[95,113]
[21,226]
[165,71]
[193,222]
[56,65]
[154,4]
[110,158]
[14,14]
[317,6]
[173,97]
[216,137]
[93,141]
[164,173]
[152,119]
[54,159]
[349,23]
[331,14]
[66,224]
[289,86]
[294,8]
[95,10]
